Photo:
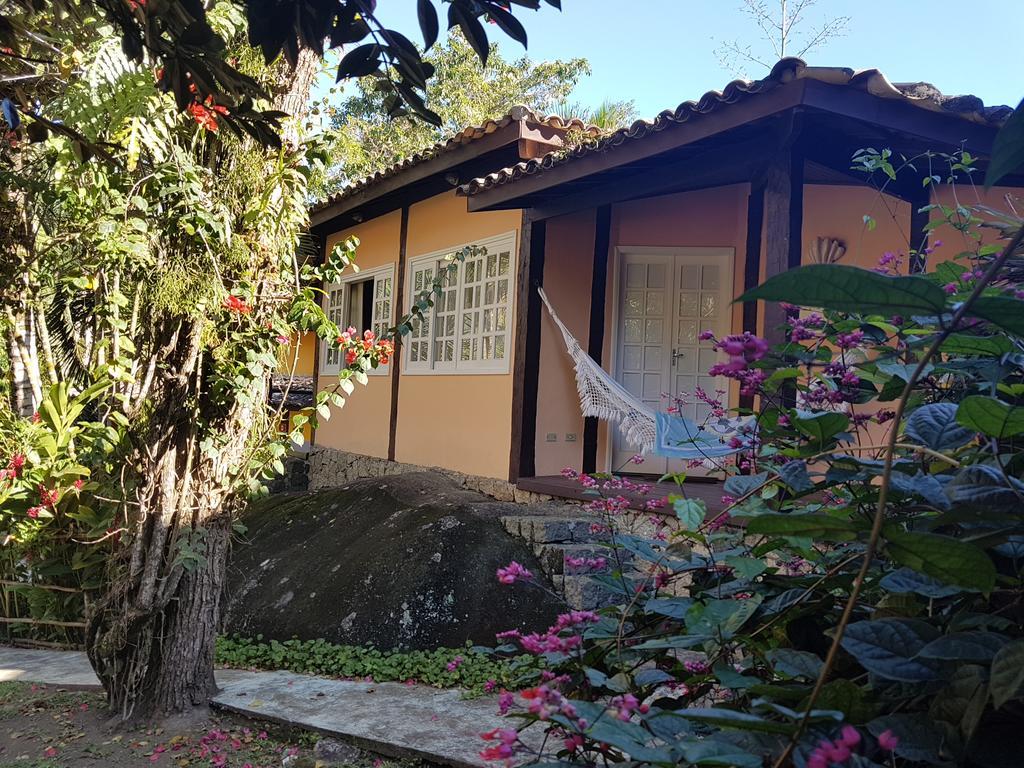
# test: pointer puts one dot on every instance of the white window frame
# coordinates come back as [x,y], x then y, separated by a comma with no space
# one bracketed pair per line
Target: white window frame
[384,271]
[507,241]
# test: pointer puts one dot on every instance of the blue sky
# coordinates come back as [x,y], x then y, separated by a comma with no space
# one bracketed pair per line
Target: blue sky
[661,52]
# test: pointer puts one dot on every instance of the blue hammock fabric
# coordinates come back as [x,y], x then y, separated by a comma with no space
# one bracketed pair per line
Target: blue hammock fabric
[680,438]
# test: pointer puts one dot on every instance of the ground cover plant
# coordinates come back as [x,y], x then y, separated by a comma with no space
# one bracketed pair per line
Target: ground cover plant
[472,670]
[859,601]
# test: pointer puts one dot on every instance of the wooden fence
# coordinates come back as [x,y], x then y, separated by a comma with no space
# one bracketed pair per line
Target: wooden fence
[10,600]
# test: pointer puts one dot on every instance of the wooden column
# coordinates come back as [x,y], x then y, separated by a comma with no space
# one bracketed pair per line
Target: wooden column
[918,228]
[526,361]
[752,263]
[595,341]
[783,223]
[399,305]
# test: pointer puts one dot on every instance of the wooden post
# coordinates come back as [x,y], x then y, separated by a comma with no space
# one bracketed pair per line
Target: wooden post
[595,341]
[918,229]
[526,363]
[399,305]
[752,263]
[783,222]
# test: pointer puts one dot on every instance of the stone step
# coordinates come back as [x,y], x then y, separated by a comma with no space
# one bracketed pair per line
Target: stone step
[585,593]
[551,555]
[545,529]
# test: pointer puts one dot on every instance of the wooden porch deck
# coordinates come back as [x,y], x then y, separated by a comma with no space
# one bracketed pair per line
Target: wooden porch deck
[710,492]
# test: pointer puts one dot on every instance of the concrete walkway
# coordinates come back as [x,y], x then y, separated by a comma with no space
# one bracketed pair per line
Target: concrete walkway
[390,718]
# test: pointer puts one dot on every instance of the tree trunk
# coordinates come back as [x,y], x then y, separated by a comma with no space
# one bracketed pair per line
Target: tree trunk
[150,637]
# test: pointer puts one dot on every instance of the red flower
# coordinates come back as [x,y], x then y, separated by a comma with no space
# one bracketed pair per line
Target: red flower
[204,117]
[79,483]
[351,356]
[48,496]
[33,512]
[237,305]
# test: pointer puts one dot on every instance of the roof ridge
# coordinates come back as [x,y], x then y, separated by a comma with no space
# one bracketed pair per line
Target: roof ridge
[873,81]
[466,135]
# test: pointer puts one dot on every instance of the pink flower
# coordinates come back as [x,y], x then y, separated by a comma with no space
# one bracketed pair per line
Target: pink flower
[513,572]
[706,335]
[950,288]
[849,340]
[33,512]
[505,702]
[490,685]
[887,740]
[637,458]
[455,663]
[624,706]
[850,736]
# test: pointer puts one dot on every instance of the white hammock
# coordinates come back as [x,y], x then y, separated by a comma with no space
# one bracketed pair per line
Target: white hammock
[604,398]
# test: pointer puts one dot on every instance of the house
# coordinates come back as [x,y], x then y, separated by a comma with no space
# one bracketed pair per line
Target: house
[641,239]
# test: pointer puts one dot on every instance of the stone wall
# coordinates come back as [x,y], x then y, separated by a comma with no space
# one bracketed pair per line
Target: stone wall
[331,468]
[295,477]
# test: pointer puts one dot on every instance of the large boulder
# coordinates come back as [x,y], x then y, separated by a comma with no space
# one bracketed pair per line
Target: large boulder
[402,561]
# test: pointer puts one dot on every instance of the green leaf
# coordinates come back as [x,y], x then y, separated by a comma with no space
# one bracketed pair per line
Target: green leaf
[795,663]
[1007,675]
[920,739]
[728,718]
[851,289]
[821,426]
[934,426]
[974,646]
[746,567]
[907,580]
[889,647]
[966,344]
[718,752]
[990,416]
[1008,149]
[1003,311]
[823,527]
[846,697]
[691,512]
[949,560]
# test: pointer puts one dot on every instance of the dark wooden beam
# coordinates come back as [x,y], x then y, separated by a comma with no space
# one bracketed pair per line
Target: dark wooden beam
[919,230]
[399,307]
[752,263]
[598,304]
[418,171]
[937,130]
[783,224]
[696,169]
[526,360]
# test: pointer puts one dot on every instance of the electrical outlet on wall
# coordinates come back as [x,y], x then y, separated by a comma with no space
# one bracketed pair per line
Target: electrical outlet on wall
[570,437]
[551,437]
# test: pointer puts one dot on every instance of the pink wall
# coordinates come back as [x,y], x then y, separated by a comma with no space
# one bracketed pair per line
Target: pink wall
[713,217]
[568,272]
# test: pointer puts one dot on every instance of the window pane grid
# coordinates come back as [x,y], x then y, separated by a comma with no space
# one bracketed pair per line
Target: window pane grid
[469,323]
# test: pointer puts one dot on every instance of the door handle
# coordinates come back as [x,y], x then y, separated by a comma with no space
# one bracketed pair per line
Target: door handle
[676,353]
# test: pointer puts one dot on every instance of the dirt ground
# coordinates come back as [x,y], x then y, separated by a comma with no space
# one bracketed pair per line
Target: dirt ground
[48,727]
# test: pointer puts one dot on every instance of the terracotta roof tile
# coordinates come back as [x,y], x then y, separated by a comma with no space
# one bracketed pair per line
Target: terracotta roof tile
[923,95]
[467,135]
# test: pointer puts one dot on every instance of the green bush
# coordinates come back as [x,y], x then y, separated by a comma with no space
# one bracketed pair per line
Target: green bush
[473,669]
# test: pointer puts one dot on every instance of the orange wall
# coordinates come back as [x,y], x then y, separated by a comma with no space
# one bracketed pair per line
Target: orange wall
[363,425]
[458,421]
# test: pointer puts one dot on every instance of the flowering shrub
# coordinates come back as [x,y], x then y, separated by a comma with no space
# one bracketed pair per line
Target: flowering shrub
[858,601]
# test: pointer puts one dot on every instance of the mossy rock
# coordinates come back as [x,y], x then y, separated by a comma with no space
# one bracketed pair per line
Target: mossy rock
[402,561]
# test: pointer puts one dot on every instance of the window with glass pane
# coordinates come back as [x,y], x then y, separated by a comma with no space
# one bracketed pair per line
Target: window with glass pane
[364,302]
[469,324]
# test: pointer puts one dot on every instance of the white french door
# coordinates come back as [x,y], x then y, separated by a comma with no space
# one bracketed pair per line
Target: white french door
[666,298]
